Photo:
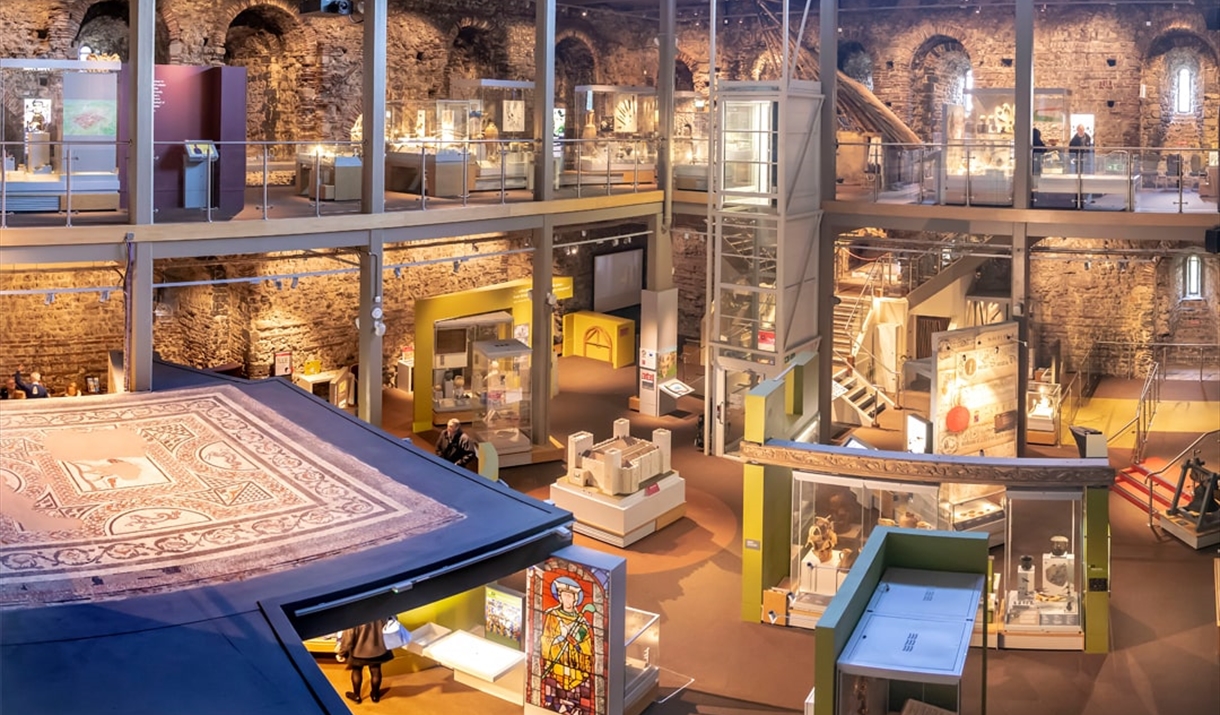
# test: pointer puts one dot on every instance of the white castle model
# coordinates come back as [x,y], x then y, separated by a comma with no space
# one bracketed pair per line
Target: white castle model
[620,464]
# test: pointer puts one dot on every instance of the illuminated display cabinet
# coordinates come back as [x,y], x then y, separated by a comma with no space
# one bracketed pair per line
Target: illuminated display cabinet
[1042,568]
[501,387]
[451,362]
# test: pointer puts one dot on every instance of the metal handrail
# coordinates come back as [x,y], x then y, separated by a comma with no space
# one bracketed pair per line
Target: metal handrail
[1150,480]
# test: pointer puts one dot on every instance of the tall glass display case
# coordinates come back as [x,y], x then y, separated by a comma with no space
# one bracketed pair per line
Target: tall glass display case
[691,141]
[501,387]
[1042,401]
[613,111]
[452,361]
[1042,569]
[832,519]
[503,111]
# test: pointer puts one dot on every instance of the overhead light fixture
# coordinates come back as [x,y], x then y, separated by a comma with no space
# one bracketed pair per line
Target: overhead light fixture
[456,266]
[296,280]
[398,271]
[50,298]
[105,296]
[279,284]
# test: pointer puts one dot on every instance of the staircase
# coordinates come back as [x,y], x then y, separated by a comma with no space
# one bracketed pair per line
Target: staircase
[1132,484]
[849,316]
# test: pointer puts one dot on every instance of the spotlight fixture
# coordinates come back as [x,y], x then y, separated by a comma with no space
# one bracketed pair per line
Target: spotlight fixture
[296,280]
[398,271]
[1088,265]
[105,296]
[50,298]
[279,284]
[456,266]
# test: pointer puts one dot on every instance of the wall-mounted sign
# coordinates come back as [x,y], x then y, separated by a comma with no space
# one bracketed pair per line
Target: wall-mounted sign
[283,363]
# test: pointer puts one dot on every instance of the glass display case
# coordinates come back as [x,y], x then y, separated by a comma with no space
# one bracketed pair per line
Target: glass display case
[501,389]
[500,116]
[832,519]
[691,141]
[452,360]
[1042,565]
[611,111]
[1042,401]
[974,507]
[642,631]
[1052,112]
[60,122]
[750,150]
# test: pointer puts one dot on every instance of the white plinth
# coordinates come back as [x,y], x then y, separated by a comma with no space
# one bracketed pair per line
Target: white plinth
[625,519]
[823,577]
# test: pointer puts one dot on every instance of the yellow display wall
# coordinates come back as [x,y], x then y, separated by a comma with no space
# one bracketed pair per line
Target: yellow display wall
[600,337]
[513,296]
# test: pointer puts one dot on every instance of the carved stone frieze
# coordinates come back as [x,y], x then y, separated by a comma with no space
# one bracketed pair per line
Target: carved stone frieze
[931,468]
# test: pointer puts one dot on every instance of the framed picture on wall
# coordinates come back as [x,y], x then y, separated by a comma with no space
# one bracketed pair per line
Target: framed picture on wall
[93,385]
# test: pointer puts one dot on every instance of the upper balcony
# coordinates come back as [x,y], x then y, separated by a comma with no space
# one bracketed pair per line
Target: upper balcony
[1099,178]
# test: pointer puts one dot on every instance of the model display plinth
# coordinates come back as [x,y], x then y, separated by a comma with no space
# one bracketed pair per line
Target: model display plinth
[31,191]
[447,173]
[622,520]
[823,577]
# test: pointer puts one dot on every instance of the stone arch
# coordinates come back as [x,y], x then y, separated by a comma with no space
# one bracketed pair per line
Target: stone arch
[939,70]
[697,68]
[1160,124]
[575,65]
[856,62]
[228,13]
[66,28]
[269,41]
[477,50]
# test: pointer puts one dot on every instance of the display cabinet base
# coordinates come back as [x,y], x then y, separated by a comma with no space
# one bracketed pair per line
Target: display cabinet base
[510,686]
[1183,528]
[1041,639]
[641,690]
[536,454]
[621,520]
[994,530]
[993,635]
[1039,437]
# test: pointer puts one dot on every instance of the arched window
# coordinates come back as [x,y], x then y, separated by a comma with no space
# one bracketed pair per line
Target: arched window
[1192,278]
[1183,95]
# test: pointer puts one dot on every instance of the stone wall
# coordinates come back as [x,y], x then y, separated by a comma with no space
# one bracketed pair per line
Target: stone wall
[67,339]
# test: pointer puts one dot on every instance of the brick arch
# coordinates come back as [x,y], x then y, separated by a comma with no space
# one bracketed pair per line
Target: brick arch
[226,14]
[475,23]
[699,68]
[67,24]
[932,41]
[584,38]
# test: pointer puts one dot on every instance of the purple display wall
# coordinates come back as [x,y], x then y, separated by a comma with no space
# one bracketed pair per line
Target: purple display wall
[193,104]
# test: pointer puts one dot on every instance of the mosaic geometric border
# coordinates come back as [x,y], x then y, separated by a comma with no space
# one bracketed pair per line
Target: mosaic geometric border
[110,496]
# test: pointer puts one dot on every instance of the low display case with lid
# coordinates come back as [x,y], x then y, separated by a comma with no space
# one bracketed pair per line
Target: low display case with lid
[501,388]
[1042,570]
[642,631]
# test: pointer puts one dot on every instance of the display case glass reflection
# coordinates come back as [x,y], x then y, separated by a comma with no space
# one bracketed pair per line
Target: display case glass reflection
[973,507]
[1042,413]
[1043,561]
[501,388]
[833,518]
[642,631]
[453,359]
[690,141]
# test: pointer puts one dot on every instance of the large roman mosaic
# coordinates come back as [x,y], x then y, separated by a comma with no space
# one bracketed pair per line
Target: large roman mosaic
[105,497]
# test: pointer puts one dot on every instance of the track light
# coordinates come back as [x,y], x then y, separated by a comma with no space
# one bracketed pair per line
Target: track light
[398,271]
[279,284]
[50,298]
[296,280]
[1088,265]
[105,296]
[456,266]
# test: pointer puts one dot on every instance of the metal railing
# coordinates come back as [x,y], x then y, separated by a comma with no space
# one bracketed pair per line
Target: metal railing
[327,172]
[1150,480]
[964,173]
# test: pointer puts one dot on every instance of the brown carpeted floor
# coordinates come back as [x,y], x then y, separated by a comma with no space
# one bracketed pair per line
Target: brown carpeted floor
[1165,650]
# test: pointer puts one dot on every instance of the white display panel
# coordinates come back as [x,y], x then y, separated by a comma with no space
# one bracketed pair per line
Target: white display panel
[618,279]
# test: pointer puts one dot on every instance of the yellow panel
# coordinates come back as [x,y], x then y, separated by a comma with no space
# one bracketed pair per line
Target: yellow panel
[600,337]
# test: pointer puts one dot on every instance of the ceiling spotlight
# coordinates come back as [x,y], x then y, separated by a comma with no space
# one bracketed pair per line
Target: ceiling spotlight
[398,271]
[1088,265]
[105,296]
[584,13]
[456,266]
[50,298]
[296,280]
[279,284]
